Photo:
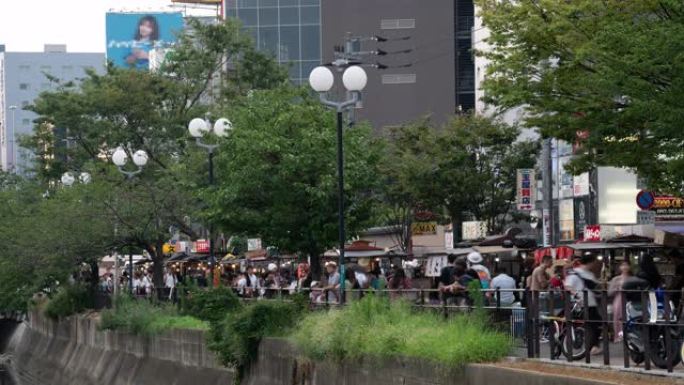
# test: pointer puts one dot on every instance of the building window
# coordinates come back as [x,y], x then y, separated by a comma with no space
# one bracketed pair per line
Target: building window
[397,23]
[67,68]
[398,79]
[24,103]
[24,86]
[26,122]
[24,67]
[46,68]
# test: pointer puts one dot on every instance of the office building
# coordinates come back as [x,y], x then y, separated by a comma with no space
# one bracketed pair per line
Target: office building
[23,76]
[425,66]
[289,29]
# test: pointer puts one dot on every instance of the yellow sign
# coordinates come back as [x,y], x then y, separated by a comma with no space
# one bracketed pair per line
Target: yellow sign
[168,248]
[424,228]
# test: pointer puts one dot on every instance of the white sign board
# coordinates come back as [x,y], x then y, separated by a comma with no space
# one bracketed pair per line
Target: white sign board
[253,244]
[474,230]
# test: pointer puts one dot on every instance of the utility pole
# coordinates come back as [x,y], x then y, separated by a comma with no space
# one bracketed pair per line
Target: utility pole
[547,181]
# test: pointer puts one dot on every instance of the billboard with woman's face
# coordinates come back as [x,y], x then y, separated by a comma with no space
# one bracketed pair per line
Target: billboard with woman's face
[131,36]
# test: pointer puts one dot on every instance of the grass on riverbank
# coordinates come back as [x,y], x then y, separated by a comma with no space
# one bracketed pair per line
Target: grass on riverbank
[379,328]
[142,317]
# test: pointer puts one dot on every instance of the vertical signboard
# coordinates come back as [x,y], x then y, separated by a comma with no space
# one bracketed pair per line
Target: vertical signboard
[132,36]
[566,220]
[546,218]
[526,188]
[582,215]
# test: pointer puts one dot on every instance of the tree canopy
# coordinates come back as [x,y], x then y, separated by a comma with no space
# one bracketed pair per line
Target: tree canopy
[606,75]
[467,168]
[277,173]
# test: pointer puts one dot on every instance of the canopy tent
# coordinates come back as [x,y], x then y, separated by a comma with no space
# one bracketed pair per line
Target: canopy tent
[360,249]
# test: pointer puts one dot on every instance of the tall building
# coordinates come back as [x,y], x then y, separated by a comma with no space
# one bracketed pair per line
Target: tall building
[23,76]
[425,67]
[289,29]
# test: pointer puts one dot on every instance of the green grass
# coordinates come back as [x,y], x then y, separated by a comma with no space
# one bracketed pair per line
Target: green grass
[379,328]
[142,317]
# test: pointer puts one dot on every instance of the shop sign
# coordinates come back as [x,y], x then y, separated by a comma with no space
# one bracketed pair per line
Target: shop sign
[424,228]
[581,184]
[581,215]
[202,246]
[592,233]
[253,244]
[474,230]
[566,219]
[666,208]
[525,189]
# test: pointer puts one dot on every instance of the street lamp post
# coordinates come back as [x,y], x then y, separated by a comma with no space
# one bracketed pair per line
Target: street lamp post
[354,79]
[12,141]
[199,127]
[120,158]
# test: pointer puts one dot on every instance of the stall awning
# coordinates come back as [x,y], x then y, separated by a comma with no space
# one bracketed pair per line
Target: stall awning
[494,249]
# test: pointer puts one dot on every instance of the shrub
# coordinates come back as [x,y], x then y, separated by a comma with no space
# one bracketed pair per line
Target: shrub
[142,317]
[236,338]
[69,300]
[375,327]
[210,305]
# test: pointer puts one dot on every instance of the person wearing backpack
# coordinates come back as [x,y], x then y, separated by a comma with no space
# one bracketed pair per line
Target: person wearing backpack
[475,263]
[577,281]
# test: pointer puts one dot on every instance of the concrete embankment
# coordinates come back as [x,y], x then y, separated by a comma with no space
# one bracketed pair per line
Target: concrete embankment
[74,352]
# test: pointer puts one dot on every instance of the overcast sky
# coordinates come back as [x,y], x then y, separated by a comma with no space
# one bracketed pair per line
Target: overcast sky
[25,25]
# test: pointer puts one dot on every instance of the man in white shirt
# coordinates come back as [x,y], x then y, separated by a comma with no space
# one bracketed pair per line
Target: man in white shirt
[584,278]
[506,285]
[169,282]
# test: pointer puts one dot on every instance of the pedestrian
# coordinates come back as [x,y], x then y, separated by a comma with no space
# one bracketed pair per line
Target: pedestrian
[475,263]
[556,281]
[583,278]
[398,283]
[540,279]
[378,280]
[169,283]
[333,285]
[447,278]
[506,286]
[615,292]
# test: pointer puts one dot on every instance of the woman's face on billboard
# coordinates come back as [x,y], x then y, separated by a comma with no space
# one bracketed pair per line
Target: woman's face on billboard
[146,28]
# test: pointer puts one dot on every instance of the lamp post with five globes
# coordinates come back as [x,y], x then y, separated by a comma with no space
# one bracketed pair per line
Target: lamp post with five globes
[354,79]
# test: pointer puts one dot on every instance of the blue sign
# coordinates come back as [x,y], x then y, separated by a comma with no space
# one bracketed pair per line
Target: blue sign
[645,200]
[131,36]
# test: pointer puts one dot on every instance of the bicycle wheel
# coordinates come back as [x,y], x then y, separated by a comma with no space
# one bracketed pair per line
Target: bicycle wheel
[555,336]
[577,337]
[659,354]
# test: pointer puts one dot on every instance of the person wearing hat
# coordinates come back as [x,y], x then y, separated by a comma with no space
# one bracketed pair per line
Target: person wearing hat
[475,263]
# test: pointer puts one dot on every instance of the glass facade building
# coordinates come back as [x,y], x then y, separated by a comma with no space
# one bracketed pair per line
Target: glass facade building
[289,29]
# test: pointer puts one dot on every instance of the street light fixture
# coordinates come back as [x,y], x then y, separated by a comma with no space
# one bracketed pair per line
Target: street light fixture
[68,178]
[354,79]
[120,158]
[198,128]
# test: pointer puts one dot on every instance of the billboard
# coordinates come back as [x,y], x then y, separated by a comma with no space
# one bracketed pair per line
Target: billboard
[526,188]
[132,36]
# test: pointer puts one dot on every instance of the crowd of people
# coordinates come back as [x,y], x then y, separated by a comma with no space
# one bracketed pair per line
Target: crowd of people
[588,274]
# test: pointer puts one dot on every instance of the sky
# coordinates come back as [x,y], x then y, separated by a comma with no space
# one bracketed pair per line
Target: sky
[26,25]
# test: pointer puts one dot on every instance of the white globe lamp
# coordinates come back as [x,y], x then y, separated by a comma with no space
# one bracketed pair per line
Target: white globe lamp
[140,158]
[321,79]
[198,127]
[120,157]
[354,78]
[223,127]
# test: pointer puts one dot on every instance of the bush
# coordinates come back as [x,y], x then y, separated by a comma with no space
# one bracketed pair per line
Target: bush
[69,300]
[375,327]
[142,317]
[210,305]
[236,338]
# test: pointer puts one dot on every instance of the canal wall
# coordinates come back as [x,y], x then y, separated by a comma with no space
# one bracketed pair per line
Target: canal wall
[74,352]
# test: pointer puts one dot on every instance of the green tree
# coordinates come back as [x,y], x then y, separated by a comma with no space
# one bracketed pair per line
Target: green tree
[149,111]
[604,74]
[467,168]
[277,173]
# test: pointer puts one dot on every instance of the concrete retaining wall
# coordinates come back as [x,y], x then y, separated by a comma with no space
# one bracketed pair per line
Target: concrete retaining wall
[74,352]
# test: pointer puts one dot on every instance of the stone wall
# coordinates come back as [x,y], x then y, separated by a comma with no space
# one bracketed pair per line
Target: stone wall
[74,352]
